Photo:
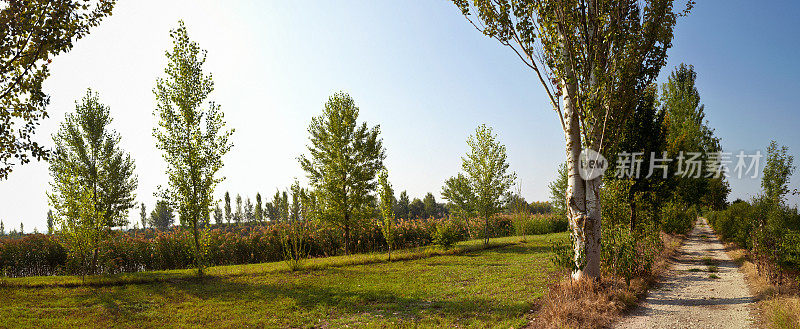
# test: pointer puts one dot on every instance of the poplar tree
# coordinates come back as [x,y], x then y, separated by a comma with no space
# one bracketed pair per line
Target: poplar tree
[258,214]
[387,204]
[344,158]
[193,138]
[89,151]
[593,59]
[228,213]
[487,182]
[143,215]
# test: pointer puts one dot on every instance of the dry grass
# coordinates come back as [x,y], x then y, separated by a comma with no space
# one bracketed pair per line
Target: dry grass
[778,307]
[590,304]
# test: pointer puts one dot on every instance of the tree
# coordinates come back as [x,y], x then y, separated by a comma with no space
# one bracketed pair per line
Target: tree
[143,215]
[248,210]
[239,215]
[193,138]
[458,192]
[401,208]
[218,215]
[259,215]
[558,190]
[86,148]
[344,159]
[486,174]
[431,207]
[416,209]
[387,201]
[50,221]
[33,33]
[2,228]
[777,171]
[688,132]
[593,60]
[161,217]
[228,213]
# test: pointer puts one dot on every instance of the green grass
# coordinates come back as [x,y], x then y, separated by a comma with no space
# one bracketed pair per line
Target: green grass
[469,287]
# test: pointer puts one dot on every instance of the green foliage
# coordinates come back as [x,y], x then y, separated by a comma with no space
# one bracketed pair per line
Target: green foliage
[228,210]
[677,217]
[344,159]
[486,184]
[558,190]
[258,214]
[162,217]
[446,234]
[387,205]
[402,206]
[33,33]
[627,254]
[778,170]
[89,152]
[192,138]
[218,219]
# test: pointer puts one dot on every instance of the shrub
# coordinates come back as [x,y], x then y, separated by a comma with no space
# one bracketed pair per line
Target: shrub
[676,218]
[446,234]
[629,254]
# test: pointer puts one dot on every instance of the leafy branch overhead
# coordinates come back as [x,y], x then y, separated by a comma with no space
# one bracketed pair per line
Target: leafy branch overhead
[31,34]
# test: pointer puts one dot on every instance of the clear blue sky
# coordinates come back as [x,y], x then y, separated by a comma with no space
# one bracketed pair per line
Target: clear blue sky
[417,68]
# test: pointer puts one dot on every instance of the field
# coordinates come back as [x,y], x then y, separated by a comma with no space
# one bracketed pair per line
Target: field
[471,287]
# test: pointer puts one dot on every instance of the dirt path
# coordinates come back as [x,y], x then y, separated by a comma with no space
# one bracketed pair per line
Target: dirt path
[691,295]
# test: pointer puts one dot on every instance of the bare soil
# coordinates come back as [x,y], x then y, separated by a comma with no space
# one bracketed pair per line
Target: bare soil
[702,289]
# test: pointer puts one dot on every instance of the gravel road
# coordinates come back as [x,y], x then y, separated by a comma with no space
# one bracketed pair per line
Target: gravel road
[692,295]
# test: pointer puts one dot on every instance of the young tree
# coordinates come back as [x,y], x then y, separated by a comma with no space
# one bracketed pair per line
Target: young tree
[248,210]
[401,208]
[86,148]
[218,215]
[33,33]
[458,191]
[259,215]
[431,208]
[21,228]
[193,138]
[416,209]
[82,224]
[593,59]
[344,159]
[558,190]
[487,176]
[239,215]
[387,204]
[143,215]
[228,212]
[777,171]
[50,221]
[2,228]
[161,217]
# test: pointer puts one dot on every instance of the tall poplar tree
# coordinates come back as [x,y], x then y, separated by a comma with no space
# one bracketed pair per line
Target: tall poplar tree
[344,158]
[486,184]
[193,138]
[594,59]
[387,203]
[228,211]
[259,211]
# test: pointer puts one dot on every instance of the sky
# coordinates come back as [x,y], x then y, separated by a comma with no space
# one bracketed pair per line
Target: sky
[416,68]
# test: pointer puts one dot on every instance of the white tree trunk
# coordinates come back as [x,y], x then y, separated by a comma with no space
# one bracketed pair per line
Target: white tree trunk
[583,204]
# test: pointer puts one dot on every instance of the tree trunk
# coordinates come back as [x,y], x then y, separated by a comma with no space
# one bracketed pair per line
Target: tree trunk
[583,204]
[346,239]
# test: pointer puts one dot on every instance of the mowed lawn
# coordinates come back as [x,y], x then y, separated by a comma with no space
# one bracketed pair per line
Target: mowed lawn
[485,288]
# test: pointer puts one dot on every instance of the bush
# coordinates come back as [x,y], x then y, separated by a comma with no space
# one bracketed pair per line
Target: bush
[629,254]
[446,234]
[676,218]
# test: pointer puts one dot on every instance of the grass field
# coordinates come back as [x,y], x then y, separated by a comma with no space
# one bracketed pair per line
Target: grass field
[469,288]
